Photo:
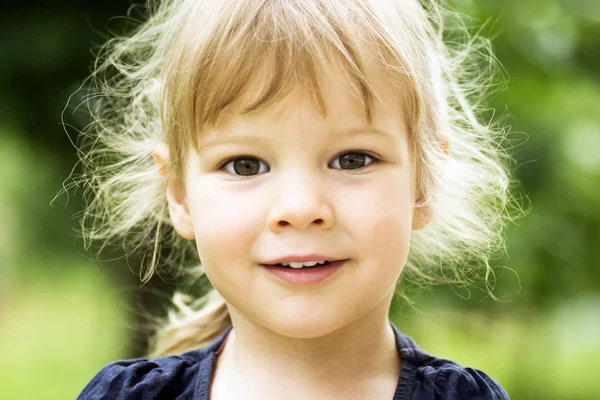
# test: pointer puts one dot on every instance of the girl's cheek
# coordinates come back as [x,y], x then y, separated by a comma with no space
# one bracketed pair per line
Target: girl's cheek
[379,216]
[377,200]
[225,221]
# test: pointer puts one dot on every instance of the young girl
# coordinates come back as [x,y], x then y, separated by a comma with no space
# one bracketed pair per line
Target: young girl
[311,152]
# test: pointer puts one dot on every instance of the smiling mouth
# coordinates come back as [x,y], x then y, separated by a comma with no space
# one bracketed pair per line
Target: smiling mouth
[298,274]
[308,264]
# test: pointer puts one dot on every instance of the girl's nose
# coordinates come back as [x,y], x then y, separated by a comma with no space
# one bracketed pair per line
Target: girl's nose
[301,203]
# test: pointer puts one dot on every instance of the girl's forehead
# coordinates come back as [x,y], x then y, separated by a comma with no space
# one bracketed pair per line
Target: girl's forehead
[297,113]
[338,102]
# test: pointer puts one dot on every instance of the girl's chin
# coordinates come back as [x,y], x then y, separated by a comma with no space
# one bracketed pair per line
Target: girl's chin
[303,326]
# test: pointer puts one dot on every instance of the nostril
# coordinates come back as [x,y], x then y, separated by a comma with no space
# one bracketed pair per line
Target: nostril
[318,221]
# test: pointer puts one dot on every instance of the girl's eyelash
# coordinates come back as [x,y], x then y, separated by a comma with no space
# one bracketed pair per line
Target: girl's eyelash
[371,156]
[373,159]
[224,164]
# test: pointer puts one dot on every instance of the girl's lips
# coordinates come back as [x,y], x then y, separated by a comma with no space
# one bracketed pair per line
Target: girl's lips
[302,258]
[306,275]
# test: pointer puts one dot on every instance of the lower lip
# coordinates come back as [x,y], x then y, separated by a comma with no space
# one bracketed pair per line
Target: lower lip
[305,275]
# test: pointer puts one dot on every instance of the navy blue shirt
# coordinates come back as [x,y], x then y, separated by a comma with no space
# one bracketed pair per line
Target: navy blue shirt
[187,376]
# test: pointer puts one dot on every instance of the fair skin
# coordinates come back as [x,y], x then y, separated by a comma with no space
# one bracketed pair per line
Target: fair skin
[327,340]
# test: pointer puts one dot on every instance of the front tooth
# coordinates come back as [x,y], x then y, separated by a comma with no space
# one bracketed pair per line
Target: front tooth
[296,264]
[310,263]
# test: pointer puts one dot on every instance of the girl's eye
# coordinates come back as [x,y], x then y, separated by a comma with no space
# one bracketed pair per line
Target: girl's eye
[352,160]
[246,166]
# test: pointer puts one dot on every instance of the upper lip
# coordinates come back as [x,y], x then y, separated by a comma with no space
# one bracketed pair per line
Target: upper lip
[302,258]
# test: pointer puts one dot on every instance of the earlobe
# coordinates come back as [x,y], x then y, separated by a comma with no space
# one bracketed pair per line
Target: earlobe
[422,212]
[178,210]
[421,216]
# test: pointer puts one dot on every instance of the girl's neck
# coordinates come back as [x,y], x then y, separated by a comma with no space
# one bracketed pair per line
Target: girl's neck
[359,360]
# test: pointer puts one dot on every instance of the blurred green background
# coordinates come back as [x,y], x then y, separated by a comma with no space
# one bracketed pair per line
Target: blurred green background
[63,314]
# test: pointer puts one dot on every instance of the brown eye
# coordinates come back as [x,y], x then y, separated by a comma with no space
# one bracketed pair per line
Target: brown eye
[246,166]
[354,160]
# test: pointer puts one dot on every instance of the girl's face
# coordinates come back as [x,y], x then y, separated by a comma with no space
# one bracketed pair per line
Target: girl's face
[290,182]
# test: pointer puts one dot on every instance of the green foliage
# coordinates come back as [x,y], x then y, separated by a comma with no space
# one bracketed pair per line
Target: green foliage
[58,329]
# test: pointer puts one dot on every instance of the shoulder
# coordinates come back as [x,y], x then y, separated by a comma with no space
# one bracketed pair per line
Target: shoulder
[453,382]
[179,377]
[429,377]
[161,378]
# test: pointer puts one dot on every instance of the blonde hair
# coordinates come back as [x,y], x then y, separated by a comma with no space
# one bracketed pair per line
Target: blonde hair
[193,63]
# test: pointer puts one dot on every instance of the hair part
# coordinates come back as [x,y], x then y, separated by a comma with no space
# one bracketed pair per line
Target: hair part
[195,63]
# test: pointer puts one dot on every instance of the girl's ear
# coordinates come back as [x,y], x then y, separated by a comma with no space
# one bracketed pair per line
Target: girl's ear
[422,211]
[444,145]
[421,216]
[178,209]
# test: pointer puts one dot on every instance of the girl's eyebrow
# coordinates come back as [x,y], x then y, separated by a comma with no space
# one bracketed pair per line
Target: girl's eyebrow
[262,140]
[246,139]
[365,130]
